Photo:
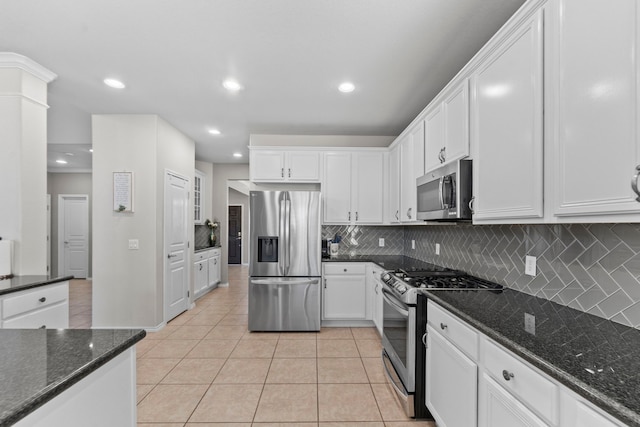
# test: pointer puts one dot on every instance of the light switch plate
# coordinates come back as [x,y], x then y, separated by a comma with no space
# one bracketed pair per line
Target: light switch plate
[530,265]
[530,323]
[134,244]
[437,248]
[381,242]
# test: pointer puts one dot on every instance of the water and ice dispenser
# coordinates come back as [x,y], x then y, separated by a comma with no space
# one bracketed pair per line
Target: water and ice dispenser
[267,249]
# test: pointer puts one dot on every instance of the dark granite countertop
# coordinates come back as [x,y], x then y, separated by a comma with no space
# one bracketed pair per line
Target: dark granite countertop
[596,358]
[21,283]
[36,365]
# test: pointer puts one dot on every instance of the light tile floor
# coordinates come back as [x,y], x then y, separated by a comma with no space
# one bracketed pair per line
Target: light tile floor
[205,369]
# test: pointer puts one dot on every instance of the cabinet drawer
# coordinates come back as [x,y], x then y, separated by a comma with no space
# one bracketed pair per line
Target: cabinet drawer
[199,256]
[529,386]
[345,268]
[51,317]
[455,330]
[34,299]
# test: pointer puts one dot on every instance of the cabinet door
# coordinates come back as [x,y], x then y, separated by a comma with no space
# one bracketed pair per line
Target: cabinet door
[394,183]
[367,181]
[336,188]
[577,412]
[344,297]
[596,139]
[267,166]
[498,408]
[451,383]
[303,166]
[456,107]
[407,181]
[214,270]
[198,197]
[434,138]
[507,128]
[201,276]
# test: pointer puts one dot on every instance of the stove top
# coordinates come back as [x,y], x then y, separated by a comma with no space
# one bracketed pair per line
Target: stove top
[407,284]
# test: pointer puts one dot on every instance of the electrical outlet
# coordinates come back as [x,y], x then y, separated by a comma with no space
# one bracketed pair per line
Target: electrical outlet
[530,265]
[530,323]
[413,244]
[134,244]
[437,248]
[381,242]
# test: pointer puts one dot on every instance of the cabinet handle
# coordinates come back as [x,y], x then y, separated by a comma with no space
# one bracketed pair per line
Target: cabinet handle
[409,213]
[200,267]
[349,216]
[634,183]
[289,172]
[471,204]
[43,299]
[325,283]
[215,261]
[282,173]
[444,154]
[356,215]
[424,339]
[507,375]
[443,326]
[397,215]
[43,327]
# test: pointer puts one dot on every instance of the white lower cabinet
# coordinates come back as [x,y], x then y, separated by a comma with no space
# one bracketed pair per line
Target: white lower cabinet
[344,291]
[214,268]
[45,307]
[206,271]
[494,388]
[452,383]
[498,408]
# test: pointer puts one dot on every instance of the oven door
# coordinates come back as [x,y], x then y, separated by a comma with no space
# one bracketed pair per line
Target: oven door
[398,337]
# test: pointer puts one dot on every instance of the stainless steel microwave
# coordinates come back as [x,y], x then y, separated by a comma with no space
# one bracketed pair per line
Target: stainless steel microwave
[444,194]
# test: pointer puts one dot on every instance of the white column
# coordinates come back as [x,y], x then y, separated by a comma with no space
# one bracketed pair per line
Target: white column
[23,160]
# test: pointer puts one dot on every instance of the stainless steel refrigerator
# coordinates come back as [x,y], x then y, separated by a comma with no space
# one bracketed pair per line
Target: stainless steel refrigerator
[284,269]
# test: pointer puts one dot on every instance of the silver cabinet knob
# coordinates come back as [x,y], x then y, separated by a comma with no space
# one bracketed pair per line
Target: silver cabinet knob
[43,299]
[507,375]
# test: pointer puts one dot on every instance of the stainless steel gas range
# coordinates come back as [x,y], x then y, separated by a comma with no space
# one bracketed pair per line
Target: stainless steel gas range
[404,325]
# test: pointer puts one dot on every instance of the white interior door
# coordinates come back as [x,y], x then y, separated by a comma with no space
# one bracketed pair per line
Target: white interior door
[73,235]
[176,205]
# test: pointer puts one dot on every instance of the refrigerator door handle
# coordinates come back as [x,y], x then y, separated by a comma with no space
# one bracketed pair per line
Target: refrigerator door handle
[282,223]
[288,282]
[287,234]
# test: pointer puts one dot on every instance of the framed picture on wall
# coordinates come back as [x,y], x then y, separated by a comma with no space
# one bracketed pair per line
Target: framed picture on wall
[123,191]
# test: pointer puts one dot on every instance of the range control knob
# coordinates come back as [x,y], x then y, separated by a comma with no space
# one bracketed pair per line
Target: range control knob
[401,288]
[385,277]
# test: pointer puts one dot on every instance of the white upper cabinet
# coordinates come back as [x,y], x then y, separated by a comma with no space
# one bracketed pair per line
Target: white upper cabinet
[447,128]
[394,184]
[353,187]
[198,197]
[595,143]
[284,165]
[507,128]
[411,167]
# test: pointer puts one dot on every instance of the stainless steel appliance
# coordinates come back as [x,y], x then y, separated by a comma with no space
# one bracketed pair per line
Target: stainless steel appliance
[404,325]
[284,263]
[445,193]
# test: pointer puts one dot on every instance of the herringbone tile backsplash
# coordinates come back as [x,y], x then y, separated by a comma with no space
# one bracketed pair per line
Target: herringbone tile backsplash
[590,267]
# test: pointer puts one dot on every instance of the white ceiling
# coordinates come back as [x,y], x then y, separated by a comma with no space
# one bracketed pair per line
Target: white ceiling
[290,55]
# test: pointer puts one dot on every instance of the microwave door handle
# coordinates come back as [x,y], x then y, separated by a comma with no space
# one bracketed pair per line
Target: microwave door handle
[441,192]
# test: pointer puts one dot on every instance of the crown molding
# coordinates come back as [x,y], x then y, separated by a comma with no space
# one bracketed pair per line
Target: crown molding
[14,60]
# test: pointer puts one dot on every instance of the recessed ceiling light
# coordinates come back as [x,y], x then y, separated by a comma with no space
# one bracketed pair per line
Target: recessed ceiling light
[91,150]
[237,154]
[62,162]
[346,87]
[232,85]
[214,131]
[69,154]
[117,84]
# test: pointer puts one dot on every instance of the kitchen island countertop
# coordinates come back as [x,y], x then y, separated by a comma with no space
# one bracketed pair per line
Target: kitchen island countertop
[37,365]
[21,283]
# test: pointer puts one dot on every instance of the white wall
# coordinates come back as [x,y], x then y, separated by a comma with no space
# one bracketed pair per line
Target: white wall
[128,284]
[222,172]
[237,198]
[67,183]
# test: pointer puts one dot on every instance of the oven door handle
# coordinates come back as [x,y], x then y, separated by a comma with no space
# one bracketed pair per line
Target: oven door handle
[392,378]
[388,297]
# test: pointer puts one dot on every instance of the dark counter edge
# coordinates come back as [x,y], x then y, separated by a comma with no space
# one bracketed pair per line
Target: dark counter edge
[53,390]
[35,284]
[601,400]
